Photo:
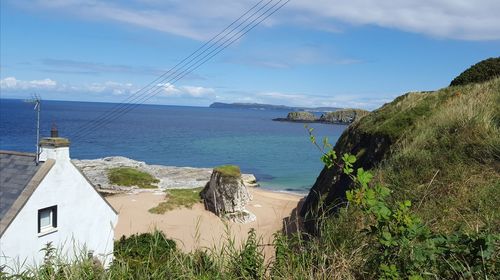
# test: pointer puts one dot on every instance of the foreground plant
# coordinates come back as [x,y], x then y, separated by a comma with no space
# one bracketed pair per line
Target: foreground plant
[405,246]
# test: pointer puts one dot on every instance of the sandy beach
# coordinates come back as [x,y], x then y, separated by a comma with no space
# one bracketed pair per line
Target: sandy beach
[199,228]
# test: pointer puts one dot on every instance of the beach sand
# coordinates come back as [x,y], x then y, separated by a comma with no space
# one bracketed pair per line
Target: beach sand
[198,228]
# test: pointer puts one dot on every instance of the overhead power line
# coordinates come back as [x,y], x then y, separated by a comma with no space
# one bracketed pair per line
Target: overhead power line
[132,98]
[190,64]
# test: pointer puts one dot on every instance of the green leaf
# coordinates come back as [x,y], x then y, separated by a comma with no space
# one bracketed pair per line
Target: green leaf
[363,177]
[352,159]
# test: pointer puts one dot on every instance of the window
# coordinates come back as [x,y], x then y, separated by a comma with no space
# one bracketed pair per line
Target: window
[47,219]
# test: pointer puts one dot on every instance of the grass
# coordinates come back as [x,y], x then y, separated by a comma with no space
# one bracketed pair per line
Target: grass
[442,154]
[457,144]
[128,177]
[229,171]
[154,256]
[178,198]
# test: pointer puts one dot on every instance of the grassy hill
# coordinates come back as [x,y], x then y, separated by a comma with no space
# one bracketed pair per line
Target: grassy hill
[438,150]
[450,137]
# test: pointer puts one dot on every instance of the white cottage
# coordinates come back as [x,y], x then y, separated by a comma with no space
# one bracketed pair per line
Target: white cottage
[50,202]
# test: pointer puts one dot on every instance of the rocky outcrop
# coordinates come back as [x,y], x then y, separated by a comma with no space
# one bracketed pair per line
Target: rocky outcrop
[249,180]
[226,195]
[343,116]
[301,116]
[298,117]
[171,177]
[370,140]
[331,185]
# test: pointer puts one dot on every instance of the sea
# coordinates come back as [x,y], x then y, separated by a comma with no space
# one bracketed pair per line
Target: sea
[279,154]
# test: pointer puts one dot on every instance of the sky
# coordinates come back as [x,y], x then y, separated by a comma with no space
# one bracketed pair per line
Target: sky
[357,53]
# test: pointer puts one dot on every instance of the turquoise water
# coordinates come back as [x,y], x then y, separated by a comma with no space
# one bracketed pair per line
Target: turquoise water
[278,153]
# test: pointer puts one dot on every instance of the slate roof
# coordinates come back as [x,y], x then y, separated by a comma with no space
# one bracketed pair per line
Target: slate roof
[19,177]
[16,170]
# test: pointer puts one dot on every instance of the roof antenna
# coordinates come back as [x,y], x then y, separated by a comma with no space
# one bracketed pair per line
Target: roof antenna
[37,101]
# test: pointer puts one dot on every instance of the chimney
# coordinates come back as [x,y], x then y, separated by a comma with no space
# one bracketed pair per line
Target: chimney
[54,147]
[53,131]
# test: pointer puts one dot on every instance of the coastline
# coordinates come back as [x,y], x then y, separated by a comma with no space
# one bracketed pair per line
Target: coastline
[191,228]
[170,177]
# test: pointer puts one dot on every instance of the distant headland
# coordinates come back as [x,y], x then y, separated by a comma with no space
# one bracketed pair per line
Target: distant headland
[259,106]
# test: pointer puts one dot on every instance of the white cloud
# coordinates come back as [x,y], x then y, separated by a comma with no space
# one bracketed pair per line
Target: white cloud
[109,87]
[335,100]
[11,83]
[198,91]
[458,19]
[187,91]
[307,54]
[183,95]
[200,19]
[305,100]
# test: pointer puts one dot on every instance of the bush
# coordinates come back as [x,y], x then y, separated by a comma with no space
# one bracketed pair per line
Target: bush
[128,177]
[231,171]
[480,72]
[144,246]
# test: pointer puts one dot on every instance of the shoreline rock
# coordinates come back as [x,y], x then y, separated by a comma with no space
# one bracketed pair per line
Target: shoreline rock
[226,195]
[171,177]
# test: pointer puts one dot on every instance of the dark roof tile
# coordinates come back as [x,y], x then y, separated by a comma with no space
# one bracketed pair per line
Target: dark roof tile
[16,170]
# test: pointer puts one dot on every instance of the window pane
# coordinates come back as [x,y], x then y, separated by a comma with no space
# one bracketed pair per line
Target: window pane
[45,220]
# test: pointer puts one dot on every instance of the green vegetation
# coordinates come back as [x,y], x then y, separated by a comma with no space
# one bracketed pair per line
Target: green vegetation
[176,199]
[128,176]
[232,171]
[438,154]
[409,248]
[480,72]
[343,116]
[153,256]
[421,203]
[301,116]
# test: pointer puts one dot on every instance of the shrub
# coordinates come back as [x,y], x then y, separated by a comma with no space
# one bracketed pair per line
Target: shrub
[128,176]
[231,171]
[404,246]
[479,72]
[144,246]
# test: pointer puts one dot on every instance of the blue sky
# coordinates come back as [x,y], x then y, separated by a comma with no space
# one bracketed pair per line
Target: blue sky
[356,53]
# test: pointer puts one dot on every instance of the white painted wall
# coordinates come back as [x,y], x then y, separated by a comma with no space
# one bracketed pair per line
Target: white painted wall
[83,218]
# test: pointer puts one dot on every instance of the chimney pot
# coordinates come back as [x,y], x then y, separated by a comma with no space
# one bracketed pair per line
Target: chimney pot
[54,133]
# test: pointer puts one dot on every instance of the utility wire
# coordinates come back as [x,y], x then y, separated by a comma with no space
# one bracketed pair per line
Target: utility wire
[125,109]
[164,76]
[122,107]
[193,67]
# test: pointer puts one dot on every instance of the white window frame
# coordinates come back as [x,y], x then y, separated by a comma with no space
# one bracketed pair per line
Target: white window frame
[52,226]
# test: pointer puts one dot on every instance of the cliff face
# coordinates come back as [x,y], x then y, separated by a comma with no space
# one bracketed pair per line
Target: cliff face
[331,184]
[445,137]
[343,116]
[300,117]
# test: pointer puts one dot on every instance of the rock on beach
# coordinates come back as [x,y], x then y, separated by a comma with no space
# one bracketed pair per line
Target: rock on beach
[170,177]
